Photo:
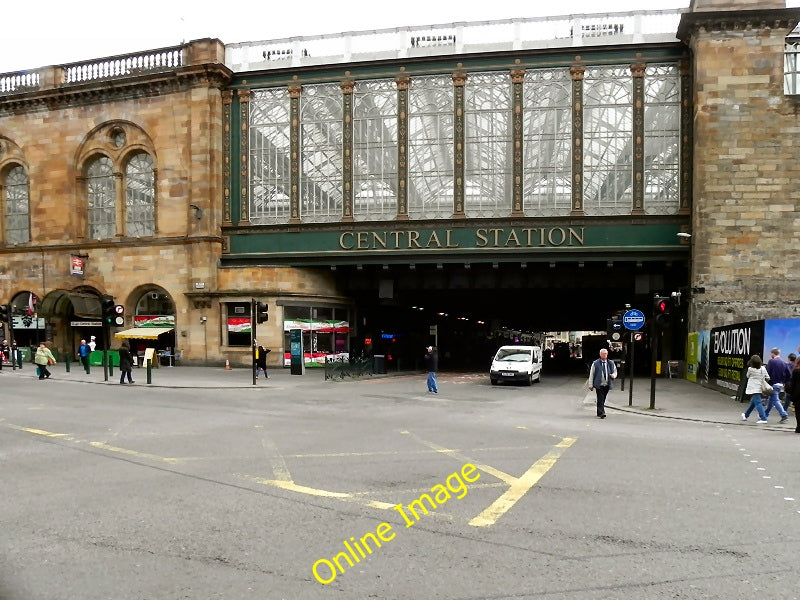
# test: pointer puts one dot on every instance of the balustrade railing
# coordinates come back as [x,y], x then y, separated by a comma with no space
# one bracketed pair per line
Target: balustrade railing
[148,61]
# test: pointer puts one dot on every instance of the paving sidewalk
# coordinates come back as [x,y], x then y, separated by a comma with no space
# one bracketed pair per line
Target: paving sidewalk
[685,400]
[674,398]
[211,377]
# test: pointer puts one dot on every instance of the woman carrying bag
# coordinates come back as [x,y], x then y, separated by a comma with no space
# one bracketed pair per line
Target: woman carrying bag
[756,385]
[43,358]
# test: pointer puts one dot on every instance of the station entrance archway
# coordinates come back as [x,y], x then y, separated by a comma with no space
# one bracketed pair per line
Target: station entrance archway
[468,310]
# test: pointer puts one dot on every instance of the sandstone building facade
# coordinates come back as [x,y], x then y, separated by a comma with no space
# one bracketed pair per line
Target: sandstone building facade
[186,181]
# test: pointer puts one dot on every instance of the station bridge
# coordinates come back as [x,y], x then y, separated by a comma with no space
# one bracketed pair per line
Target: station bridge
[530,174]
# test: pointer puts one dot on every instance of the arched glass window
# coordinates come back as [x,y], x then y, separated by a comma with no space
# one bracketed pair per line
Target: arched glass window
[17,203]
[140,196]
[100,190]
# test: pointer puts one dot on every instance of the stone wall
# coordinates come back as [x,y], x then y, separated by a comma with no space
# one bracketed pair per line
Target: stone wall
[746,168]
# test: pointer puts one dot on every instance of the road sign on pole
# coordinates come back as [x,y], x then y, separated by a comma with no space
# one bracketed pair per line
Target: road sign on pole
[633,319]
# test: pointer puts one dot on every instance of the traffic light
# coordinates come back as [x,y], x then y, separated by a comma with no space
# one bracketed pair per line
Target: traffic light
[262,312]
[5,313]
[661,308]
[119,315]
[107,308]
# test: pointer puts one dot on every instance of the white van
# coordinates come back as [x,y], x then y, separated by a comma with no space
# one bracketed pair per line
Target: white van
[517,363]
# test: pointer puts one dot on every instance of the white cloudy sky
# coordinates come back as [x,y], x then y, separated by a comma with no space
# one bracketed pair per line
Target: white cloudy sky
[38,34]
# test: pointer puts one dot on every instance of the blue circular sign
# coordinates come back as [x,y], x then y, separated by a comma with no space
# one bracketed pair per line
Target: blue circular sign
[633,319]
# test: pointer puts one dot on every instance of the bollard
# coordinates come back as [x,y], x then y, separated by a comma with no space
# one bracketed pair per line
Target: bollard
[66,362]
[110,367]
[149,371]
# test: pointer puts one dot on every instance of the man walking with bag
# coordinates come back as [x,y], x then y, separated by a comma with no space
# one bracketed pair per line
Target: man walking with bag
[601,377]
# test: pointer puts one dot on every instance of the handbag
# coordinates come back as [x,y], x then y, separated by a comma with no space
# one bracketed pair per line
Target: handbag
[766,389]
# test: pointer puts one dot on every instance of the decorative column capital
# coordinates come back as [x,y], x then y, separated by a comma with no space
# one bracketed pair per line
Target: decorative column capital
[576,72]
[517,75]
[294,91]
[638,69]
[459,79]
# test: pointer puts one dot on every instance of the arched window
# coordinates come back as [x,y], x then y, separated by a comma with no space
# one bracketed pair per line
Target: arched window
[101,194]
[140,196]
[17,207]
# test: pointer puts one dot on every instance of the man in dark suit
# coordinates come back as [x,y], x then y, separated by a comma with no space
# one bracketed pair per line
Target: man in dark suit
[601,378]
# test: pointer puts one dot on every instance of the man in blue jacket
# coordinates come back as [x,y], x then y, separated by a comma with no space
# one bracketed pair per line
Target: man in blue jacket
[83,353]
[601,380]
[778,376]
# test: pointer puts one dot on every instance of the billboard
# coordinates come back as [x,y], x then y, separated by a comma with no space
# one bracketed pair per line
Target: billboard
[730,348]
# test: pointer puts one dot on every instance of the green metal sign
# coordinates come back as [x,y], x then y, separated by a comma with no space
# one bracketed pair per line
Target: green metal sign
[348,244]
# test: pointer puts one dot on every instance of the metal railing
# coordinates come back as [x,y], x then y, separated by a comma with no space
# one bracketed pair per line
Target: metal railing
[635,27]
[339,367]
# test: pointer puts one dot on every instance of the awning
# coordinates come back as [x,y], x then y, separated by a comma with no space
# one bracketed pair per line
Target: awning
[143,333]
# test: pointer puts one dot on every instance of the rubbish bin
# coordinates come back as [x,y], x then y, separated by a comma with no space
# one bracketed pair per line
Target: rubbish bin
[25,354]
[379,364]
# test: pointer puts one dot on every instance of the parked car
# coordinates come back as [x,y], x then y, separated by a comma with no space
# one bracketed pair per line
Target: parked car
[517,363]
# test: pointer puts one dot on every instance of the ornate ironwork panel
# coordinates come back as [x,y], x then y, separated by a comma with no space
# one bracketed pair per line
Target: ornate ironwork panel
[244,163]
[608,141]
[430,147]
[321,154]
[402,147]
[637,72]
[375,153]
[270,162]
[294,152]
[488,144]
[227,100]
[662,118]
[547,143]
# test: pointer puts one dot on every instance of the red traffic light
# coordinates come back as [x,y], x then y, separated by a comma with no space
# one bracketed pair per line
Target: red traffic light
[661,306]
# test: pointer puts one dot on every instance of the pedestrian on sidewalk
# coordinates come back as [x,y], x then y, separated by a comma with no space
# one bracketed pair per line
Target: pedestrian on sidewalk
[125,362]
[43,358]
[794,386]
[83,354]
[602,374]
[778,376]
[261,360]
[756,376]
[431,366]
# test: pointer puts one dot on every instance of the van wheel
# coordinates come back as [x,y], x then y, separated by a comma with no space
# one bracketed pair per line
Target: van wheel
[529,381]
[494,381]
[539,377]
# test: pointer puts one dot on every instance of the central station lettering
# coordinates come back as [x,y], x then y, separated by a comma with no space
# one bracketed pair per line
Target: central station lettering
[483,237]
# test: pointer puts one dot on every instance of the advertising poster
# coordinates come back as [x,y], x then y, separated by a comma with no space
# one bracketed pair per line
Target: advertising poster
[692,356]
[730,349]
[783,334]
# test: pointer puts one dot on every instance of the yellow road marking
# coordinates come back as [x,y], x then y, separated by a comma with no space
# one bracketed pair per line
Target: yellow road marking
[280,470]
[505,477]
[303,489]
[41,432]
[520,486]
[144,455]
[400,452]
[100,445]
